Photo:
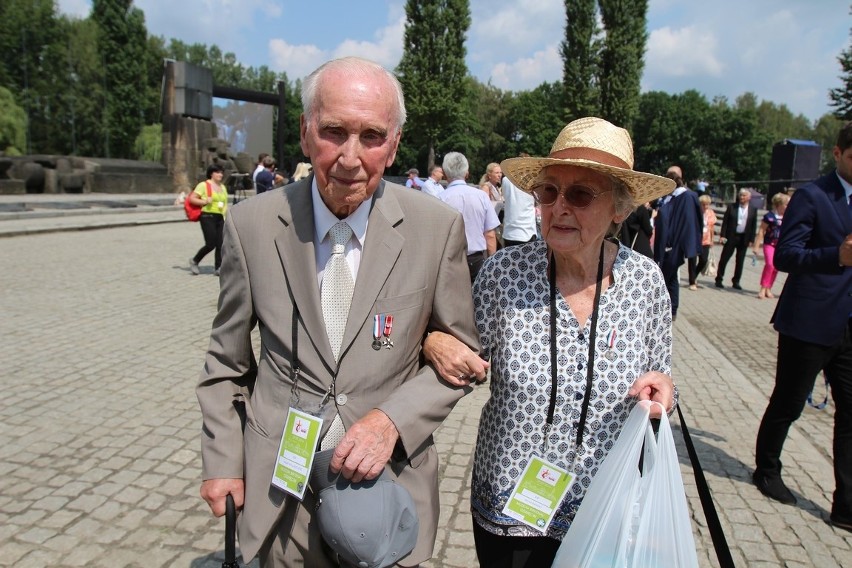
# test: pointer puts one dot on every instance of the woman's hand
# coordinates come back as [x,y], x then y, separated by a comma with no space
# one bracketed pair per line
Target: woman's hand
[657,387]
[454,360]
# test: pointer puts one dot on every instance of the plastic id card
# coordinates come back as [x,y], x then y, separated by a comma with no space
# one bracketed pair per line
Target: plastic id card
[296,452]
[540,491]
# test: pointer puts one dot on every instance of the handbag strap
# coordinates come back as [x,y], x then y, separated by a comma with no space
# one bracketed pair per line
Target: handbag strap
[720,543]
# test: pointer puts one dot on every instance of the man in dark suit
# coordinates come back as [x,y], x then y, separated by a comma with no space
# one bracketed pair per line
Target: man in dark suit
[315,266]
[739,226]
[813,322]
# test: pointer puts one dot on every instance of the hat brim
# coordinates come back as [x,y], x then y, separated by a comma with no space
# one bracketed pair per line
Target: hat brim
[642,187]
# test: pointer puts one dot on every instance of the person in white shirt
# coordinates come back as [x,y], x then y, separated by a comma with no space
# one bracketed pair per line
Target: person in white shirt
[519,224]
[432,186]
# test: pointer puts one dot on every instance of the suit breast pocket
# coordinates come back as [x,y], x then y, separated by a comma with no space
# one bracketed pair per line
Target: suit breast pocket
[409,316]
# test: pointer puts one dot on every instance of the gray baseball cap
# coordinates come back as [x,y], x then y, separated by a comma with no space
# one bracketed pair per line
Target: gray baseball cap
[372,524]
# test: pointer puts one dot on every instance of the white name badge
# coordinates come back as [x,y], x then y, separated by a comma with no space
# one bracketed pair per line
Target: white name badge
[296,452]
[538,494]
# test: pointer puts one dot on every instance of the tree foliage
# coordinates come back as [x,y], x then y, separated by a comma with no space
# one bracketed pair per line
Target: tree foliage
[580,61]
[13,124]
[433,74]
[841,97]
[621,56]
[55,73]
[122,45]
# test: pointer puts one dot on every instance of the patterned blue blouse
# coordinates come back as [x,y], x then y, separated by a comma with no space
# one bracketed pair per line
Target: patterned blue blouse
[511,298]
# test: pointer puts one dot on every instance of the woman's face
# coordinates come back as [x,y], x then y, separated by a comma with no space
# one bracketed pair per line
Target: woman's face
[569,229]
[781,207]
[495,176]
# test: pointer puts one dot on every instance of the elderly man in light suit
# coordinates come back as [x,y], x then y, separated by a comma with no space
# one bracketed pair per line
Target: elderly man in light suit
[407,259]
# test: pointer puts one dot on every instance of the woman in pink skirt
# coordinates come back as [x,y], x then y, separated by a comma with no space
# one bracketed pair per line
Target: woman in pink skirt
[767,235]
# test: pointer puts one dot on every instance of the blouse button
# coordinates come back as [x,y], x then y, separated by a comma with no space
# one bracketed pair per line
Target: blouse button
[579,366]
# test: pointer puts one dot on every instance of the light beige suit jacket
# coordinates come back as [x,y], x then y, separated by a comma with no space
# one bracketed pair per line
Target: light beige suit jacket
[413,266]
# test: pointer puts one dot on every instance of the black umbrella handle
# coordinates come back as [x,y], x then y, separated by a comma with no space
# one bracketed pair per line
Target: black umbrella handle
[230,533]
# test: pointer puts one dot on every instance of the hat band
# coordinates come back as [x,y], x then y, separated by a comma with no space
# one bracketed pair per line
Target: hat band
[592,155]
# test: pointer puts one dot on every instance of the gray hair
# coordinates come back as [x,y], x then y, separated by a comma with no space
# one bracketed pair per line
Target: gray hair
[351,67]
[622,200]
[455,166]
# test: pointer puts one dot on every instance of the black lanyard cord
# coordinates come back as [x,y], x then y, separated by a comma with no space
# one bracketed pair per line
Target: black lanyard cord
[590,367]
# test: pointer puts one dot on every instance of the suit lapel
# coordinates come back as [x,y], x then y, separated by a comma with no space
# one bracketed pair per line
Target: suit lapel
[837,195]
[295,244]
[381,250]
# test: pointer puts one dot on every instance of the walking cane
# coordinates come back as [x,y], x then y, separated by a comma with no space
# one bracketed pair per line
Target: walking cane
[230,533]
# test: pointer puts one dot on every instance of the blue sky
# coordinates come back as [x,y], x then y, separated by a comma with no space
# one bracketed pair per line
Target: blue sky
[784,51]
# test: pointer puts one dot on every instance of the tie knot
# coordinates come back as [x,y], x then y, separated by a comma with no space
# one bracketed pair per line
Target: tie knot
[340,235]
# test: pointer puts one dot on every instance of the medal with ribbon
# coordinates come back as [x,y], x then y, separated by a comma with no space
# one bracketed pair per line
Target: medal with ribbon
[377,332]
[387,329]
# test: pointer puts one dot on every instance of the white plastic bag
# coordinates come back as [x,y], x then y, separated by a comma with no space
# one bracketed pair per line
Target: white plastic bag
[628,519]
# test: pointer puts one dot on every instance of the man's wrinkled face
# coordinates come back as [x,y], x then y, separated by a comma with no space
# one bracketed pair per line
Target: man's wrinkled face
[351,138]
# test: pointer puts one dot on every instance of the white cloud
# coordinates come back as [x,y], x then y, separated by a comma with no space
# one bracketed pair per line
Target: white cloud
[528,72]
[386,49]
[299,60]
[685,52]
[296,60]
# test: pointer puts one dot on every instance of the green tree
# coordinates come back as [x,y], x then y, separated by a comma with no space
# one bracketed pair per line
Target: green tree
[825,133]
[149,143]
[536,119]
[622,59]
[433,75]
[580,59]
[122,44]
[841,97]
[13,124]
[33,44]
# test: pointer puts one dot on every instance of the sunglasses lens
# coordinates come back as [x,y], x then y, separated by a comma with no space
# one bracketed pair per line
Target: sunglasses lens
[546,194]
[579,196]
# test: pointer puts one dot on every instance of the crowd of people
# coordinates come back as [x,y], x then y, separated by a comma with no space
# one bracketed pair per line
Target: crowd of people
[379,305]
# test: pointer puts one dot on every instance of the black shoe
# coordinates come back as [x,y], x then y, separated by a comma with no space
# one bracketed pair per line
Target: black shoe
[839,523]
[774,488]
[736,286]
[719,284]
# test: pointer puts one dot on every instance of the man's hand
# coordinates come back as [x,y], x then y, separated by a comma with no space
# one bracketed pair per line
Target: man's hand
[366,447]
[214,492]
[455,362]
[654,386]
[846,251]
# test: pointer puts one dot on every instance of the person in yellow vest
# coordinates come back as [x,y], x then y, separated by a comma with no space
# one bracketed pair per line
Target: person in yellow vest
[212,196]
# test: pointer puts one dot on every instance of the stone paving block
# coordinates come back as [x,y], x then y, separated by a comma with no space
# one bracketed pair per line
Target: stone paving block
[36,535]
[40,558]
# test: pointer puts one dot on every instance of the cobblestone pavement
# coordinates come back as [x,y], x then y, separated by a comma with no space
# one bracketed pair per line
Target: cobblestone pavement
[104,333]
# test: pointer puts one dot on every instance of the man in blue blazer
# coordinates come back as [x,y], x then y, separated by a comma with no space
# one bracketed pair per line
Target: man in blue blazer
[814,326]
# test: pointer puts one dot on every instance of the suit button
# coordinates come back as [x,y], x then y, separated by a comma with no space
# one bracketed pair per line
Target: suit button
[342,399]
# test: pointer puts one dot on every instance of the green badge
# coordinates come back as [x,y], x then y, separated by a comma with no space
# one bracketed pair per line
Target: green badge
[541,489]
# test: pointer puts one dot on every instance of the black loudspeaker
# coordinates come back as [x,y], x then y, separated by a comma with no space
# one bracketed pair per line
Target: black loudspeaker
[794,163]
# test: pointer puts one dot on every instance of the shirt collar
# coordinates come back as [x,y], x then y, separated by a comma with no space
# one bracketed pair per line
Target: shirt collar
[847,187]
[457,182]
[324,219]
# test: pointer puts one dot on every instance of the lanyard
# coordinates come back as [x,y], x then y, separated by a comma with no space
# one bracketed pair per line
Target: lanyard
[590,367]
[294,364]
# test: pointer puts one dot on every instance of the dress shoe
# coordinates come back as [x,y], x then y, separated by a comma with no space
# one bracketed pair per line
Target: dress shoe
[774,488]
[719,284]
[839,523]
[736,286]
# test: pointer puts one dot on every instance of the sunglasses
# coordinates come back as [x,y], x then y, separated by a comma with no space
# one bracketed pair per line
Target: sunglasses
[575,195]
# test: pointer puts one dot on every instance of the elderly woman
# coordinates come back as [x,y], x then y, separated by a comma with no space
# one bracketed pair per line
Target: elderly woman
[577,330]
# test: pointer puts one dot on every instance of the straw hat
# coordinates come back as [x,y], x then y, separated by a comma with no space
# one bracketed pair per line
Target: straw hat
[598,145]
